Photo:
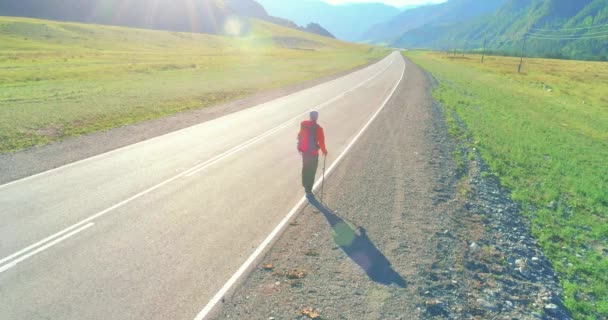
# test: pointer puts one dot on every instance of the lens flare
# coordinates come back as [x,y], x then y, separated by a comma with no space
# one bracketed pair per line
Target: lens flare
[233,26]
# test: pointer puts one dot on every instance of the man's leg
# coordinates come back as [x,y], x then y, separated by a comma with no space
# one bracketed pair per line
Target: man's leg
[309,170]
[313,169]
[305,169]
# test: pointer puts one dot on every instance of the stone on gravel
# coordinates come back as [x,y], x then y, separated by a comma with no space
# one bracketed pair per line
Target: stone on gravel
[474,247]
[487,305]
[550,306]
[436,308]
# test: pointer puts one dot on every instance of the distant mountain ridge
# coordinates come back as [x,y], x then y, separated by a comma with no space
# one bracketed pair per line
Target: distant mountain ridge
[502,25]
[201,16]
[250,8]
[452,11]
[347,21]
[173,15]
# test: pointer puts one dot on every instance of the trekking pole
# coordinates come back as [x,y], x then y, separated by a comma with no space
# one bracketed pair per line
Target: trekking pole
[323,181]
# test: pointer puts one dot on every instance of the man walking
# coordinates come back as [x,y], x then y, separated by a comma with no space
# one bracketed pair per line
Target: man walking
[310,139]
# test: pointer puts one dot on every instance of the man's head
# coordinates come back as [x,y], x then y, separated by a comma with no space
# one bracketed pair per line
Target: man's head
[314,115]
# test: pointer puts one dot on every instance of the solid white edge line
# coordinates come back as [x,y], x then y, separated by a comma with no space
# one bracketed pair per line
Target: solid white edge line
[48,245]
[187,128]
[187,173]
[245,266]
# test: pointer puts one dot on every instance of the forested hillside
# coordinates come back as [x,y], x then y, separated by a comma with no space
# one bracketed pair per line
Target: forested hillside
[444,14]
[550,28]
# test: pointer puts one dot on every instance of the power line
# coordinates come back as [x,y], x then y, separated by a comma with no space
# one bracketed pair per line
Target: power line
[509,36]
[571,35]
[566,38]
[512,39]
[502,40]
[507,40]
[541,36]
[568,29]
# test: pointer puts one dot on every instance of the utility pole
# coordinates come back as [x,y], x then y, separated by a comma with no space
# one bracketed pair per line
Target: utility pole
[483,54]
[523,50]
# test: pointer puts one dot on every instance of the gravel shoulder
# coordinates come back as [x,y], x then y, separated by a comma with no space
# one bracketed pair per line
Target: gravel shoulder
[403,232]
[21,164]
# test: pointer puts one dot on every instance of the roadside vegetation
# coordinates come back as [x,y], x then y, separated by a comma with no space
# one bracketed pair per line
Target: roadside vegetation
[64,79]
[544,133]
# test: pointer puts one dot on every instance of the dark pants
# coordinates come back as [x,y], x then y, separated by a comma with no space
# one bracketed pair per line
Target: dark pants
[310,163]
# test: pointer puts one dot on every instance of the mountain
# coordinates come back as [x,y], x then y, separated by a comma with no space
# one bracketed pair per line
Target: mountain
[173,15]
[451,12]
[201,16]
[347,22]
[253,9]
[549,27]
[317,29]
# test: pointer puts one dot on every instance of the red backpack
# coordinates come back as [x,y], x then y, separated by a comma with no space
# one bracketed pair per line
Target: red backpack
[307,139]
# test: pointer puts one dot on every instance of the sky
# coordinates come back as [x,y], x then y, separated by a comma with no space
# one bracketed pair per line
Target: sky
[396,3]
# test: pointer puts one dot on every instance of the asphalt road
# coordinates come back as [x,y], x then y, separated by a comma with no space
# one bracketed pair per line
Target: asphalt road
[154,230]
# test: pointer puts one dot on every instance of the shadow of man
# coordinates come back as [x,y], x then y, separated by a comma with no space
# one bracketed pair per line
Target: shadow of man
[360,248]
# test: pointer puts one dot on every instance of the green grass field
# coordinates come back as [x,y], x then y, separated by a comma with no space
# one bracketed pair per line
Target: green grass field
[545,134]
[64,79]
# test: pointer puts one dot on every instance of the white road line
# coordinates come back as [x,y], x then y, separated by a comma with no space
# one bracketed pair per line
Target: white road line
[175,132]
[48,245]
[245,266]
[186,173]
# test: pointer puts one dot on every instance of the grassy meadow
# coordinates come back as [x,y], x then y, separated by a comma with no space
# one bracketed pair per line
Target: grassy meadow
[63,79]
[544,132]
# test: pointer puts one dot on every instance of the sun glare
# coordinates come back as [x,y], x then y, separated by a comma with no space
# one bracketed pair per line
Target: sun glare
[233,26]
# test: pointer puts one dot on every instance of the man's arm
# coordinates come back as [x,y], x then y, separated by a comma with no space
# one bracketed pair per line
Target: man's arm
[298,139]
[321,140]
